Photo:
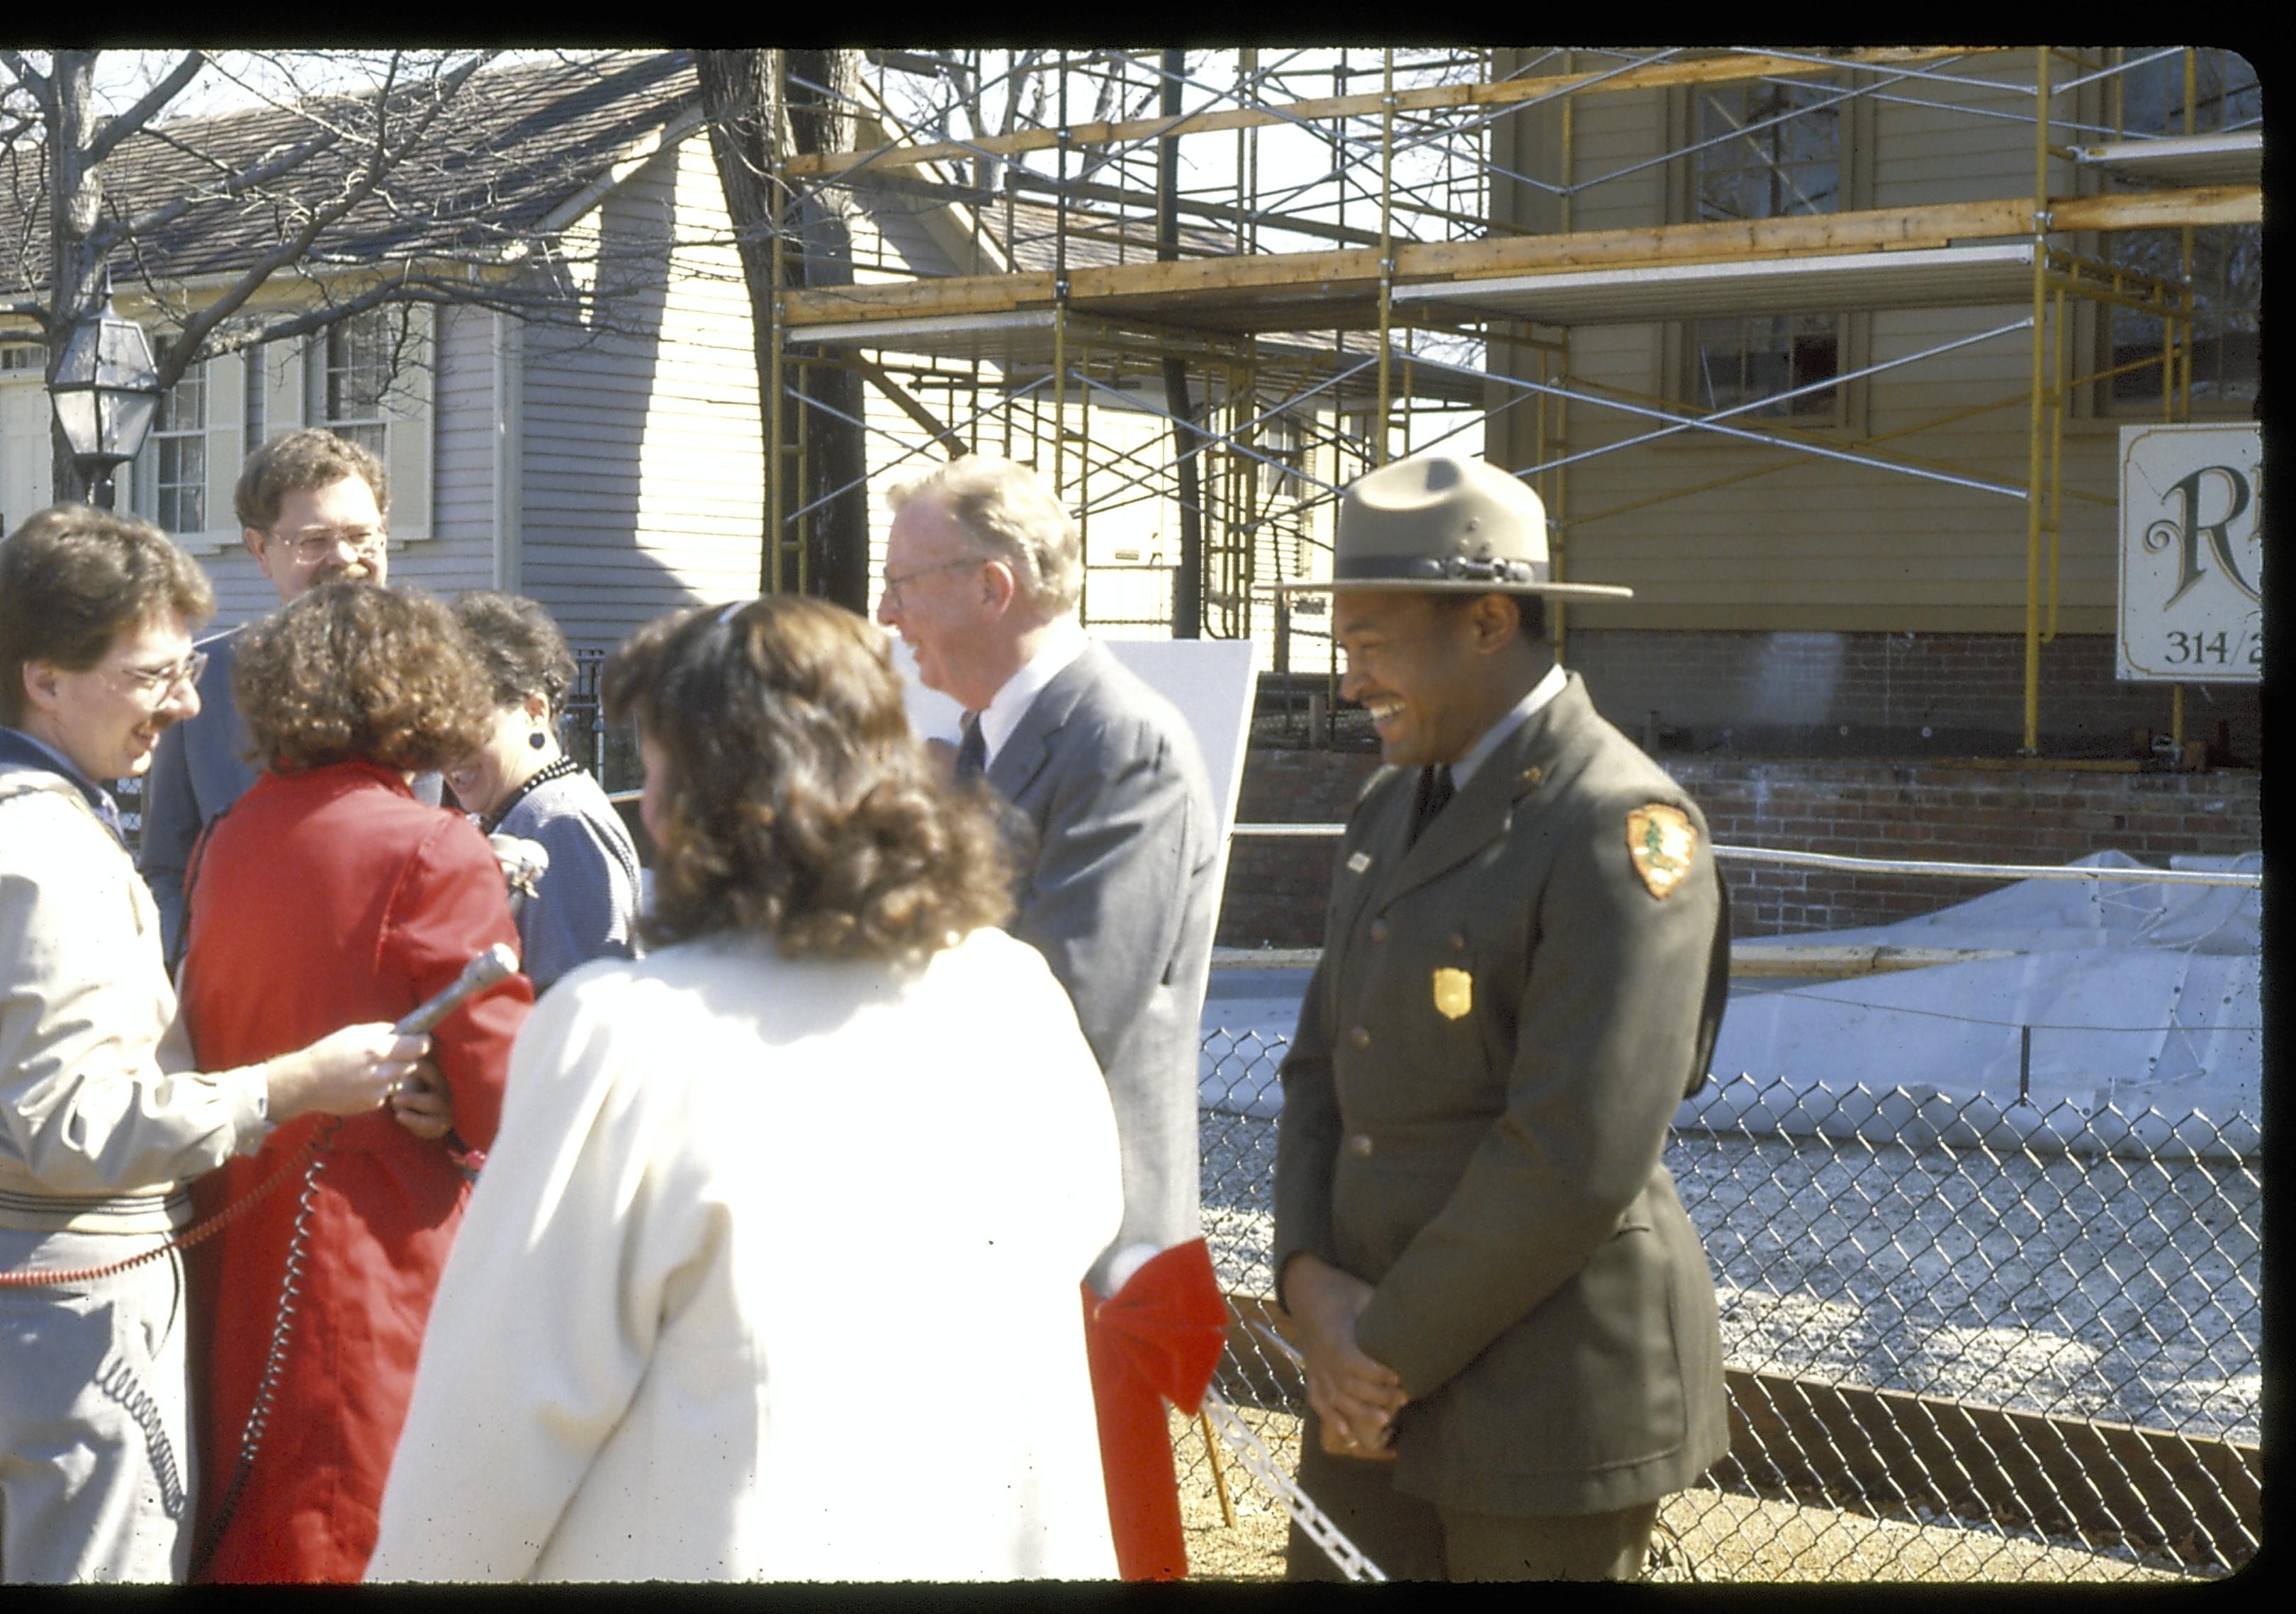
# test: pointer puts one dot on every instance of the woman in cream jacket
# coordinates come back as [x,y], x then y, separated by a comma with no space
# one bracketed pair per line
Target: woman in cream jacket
[772,1272]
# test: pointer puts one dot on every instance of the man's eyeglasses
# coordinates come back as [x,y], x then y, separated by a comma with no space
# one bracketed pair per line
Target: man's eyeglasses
[317,543]
[163,681]
[893,583]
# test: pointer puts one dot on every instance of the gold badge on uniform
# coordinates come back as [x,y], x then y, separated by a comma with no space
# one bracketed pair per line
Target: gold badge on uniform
[1661,842]
[1455,993]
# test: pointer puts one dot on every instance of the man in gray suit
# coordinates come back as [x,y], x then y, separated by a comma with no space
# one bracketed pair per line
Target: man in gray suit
[1508,1323]
[983,570]
[310,507]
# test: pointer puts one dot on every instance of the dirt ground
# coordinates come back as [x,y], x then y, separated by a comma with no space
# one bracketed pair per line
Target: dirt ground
[1704,1535]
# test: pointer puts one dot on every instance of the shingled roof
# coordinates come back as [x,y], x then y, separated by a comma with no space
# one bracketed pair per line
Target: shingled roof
[515,145]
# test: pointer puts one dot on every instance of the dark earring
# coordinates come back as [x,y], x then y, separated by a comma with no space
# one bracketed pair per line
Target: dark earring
[536,740]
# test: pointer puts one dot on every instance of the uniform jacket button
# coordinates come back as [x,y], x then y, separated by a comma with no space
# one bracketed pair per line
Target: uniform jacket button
[1379,930]
[1359,1145]
[1359,1037]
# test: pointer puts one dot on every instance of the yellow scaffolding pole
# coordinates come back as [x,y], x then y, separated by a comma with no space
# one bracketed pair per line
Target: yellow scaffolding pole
[2056,457]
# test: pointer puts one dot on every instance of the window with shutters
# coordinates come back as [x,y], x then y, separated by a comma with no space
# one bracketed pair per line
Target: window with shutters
[181,480]
[369,379]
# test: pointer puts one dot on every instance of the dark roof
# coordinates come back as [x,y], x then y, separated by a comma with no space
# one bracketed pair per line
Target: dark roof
[512,146]
[1095,237]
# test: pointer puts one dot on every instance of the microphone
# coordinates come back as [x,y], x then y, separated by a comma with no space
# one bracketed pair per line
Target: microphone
[488,967]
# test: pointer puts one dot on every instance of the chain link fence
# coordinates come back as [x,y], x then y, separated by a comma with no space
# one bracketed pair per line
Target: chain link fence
[1956,1347]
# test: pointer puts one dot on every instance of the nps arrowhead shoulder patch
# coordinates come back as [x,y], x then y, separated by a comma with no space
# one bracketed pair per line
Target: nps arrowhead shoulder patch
[1661,840]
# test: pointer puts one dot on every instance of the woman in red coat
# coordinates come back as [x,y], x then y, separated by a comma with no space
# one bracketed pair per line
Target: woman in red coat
[329,893]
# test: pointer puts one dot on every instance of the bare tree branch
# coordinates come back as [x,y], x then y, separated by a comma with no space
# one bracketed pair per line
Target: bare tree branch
[298,244]
[147,106]
[234,185]
[28,76]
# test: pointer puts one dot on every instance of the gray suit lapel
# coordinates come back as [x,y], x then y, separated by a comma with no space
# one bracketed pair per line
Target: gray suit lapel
[1030,746]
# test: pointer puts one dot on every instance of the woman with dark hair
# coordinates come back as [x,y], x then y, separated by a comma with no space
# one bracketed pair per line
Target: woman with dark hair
[519,783]
[103,1118]
[773,1271]
[329,890]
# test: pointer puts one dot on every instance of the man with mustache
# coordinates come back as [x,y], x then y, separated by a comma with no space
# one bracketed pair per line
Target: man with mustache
[310,505]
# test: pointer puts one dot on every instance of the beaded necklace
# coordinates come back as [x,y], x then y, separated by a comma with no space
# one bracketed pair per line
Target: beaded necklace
[491,822]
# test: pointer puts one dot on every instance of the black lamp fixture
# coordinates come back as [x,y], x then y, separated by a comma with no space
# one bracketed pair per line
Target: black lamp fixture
[105,392]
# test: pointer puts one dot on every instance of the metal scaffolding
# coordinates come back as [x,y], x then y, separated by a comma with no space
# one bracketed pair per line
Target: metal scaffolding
[1229,352]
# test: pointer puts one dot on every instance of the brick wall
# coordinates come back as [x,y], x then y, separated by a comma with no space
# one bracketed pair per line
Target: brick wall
[1276,888]
[1953,811]
[1897,695]
[1957,813]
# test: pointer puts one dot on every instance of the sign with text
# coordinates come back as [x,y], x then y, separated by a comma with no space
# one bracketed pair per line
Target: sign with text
[2192,555]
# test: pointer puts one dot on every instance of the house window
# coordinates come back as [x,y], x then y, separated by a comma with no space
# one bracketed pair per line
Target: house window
[1740,360]
[179,452]
[1279,471]
[2227,265]
[1765,150]
[356,359]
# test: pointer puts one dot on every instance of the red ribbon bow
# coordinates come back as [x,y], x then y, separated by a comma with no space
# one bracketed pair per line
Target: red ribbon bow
[1157,1339]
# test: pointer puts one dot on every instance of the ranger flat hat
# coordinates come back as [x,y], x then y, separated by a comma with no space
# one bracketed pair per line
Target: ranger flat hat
[1444,523]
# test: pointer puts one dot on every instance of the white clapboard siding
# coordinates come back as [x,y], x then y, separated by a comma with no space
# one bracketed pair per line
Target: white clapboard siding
[642,461]
[464,509]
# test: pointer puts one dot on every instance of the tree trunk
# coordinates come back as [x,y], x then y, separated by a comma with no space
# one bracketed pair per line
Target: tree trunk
[836,457]
[75,206]
[747,119]
[738,102]
[1188,581]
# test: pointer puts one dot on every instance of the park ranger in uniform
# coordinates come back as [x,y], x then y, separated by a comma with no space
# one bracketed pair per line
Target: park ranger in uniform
[1507,1321]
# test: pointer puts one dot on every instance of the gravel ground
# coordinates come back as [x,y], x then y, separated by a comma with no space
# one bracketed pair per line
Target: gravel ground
[1705,1536]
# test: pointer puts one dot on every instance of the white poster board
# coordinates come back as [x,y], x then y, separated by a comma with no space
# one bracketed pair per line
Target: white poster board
[2192,555]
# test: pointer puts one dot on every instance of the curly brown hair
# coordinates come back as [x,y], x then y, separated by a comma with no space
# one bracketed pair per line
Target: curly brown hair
[74,578]
[800,806]
[350,671]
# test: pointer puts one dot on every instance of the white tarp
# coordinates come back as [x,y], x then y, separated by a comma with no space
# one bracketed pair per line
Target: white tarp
[2142,996]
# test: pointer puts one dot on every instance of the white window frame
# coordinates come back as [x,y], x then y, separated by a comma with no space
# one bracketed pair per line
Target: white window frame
[186,437]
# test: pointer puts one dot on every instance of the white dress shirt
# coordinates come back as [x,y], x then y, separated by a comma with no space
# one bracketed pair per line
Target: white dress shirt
[1065,642]
[1515,716]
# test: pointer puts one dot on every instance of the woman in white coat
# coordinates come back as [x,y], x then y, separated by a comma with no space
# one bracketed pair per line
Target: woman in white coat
[771,1272]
